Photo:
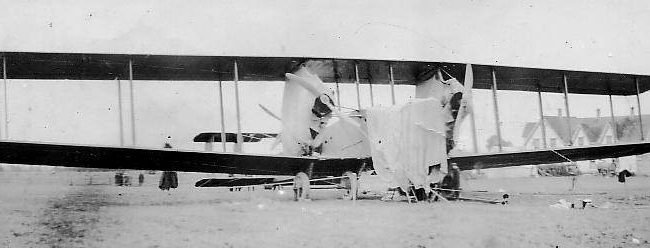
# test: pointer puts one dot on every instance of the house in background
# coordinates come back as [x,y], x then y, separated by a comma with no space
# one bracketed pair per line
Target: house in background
[599,130]
[564,131]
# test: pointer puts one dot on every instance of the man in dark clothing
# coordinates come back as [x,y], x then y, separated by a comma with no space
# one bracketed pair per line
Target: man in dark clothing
[169,179]
[622,175]
[451,182]
[140,179]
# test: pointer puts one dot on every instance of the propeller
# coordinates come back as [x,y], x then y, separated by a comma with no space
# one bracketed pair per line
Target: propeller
[318,89]
[277,137]
[313,84]
[466,101]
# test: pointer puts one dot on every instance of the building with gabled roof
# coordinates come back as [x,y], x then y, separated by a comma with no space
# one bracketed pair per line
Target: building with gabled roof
[583,131]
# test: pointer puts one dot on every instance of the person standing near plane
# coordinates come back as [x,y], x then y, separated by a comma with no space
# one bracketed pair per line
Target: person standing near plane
[301,187]
[140,179]
[169,179]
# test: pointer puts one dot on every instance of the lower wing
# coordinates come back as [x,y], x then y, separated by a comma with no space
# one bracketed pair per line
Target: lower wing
[232,163]
[171,160]
[565,154]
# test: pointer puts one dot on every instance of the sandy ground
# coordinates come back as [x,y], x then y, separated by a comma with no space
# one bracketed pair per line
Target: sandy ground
[45,209]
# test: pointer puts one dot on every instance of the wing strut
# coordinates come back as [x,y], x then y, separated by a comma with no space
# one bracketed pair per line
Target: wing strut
[4,98]
[132,102]
[542,125]
[496,109]
[392,83]
[638,101]
[372,100]
[356,83]
[240,138]
[611,111]
[119,109]
[568,114]
[222,115]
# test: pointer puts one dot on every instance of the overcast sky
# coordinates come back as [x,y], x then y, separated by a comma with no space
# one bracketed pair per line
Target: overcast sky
[609,36]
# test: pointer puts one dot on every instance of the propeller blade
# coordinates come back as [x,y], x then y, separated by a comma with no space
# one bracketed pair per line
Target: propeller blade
[465,102]
[305,84]
[269,112]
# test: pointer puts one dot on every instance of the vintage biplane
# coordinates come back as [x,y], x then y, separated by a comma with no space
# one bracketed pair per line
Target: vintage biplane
[298,138]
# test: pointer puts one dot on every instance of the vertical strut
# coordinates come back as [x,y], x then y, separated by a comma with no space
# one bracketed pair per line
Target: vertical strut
[568,113]
[542,125]
[356,83]
[372,101]
[611,111]
[222,115]
[392,83]
[240,139]
[132,101]
[638,101]
[496,109]
[119,110]
[4,102]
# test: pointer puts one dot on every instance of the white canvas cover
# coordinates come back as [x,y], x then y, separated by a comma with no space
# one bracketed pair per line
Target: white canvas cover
[406,139]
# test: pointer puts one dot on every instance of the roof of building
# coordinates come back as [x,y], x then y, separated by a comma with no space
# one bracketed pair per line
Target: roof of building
[627,127]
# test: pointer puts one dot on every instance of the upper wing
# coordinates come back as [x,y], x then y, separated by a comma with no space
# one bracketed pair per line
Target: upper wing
[26,65]
[549,156]
[171,160]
